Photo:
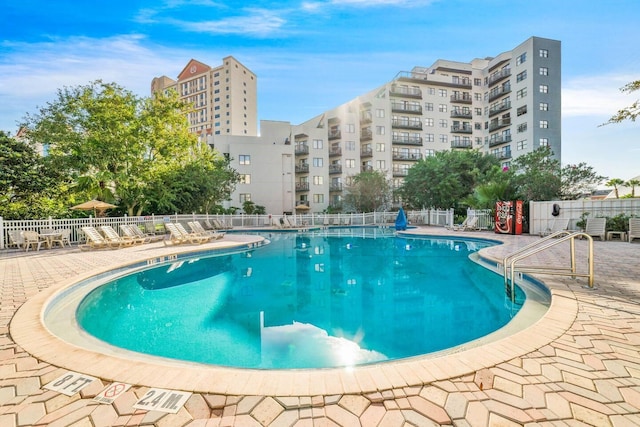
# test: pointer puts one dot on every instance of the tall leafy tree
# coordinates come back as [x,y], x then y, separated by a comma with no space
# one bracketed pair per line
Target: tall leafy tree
[578,180]
[118,147]
[633,183]
[537,175]
[368,191]
[615,183]
[446,179]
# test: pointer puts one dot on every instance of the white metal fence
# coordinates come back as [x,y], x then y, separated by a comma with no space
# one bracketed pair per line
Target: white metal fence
[435,217]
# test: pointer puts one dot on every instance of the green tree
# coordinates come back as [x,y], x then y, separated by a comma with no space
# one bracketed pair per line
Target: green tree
[368,192]
[249,207]
[633,183]
[537,175]
[632,111]
[446,179]
[615,183]
[499,186]
[577,180]
[121,148]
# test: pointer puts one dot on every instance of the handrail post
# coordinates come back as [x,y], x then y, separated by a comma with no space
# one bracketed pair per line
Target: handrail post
[572,246]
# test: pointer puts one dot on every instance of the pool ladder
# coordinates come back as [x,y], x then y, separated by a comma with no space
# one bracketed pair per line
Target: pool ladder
[510,268]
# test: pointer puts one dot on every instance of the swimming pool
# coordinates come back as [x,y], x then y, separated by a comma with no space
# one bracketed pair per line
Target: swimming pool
[328,299]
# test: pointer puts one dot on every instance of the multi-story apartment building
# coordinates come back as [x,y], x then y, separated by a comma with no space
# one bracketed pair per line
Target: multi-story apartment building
[504,106]
[224,98]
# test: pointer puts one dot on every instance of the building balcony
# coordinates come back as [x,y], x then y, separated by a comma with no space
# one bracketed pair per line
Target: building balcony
[407,140]
[366,168]
[366,135]
[413,157]
[366,152]
[336,134]
[405,92]
[400,172]
[335,187]
[302,186]
[503,106]
[457,114]
[399,107]
[335,169]
[498,77]
[499,124]
[336,151]
[301,149]
[461,144]
[498,92]
[401,124]
[461,98]
[461,129]
[503,155]
[366,117]
[302,168]
[499,139]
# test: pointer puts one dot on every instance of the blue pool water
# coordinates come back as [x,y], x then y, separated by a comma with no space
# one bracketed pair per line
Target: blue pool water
[305,301]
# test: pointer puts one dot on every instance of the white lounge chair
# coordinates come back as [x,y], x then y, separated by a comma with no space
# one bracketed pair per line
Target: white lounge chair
[557,224]
[197,228]
[112,236]
[457,226]
[596,227]
[634,229]
[95,240]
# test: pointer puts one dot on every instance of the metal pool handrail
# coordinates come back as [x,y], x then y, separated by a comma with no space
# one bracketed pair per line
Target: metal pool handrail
[535,248]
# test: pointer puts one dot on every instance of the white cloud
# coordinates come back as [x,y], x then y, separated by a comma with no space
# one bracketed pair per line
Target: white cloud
[596,95]
[258,22]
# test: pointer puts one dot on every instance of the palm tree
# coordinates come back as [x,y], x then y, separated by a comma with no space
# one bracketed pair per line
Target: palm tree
[632,183]
[615,182]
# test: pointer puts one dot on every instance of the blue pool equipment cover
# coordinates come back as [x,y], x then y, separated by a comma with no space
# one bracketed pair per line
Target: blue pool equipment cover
[401,220]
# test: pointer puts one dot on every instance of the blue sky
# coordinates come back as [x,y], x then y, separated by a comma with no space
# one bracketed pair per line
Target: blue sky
[314,55]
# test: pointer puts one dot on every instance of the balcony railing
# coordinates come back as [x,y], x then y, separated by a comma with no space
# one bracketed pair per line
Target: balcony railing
[302,168]
[335,169]
[503,155]
[366,168]
[461,114]
[461,129]
[503,106]
[498,124]
[399,107]
[407,156]
[302,186]
[460,144]
[406,140]
[335,186]
[366,135]
[499,139]
[336,151]
[406,124]
[500,91]
[366,152]
[301,149]
[499,76]
[336,134]
[463,98]
[400,172]
[408,92]
[366,117]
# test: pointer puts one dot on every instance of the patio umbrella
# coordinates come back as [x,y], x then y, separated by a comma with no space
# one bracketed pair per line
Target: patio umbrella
[302,208]
[93,205]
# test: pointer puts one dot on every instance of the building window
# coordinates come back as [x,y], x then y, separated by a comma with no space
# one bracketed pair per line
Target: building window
[428,122]
[444,139]
[544,71]
[478,111]
[544,89]
[245,179]
[428,106]
[245,197]
[317,144]
[544,106]
[380,147]
[521,76]
[442,108]
[431,91]
[442,123]
[350,145]
[317,180]
[244,159]
[477,96]
[350,163]
[521,145]
[380,164]
[522,127]
[317,162]
[544,124]
[544,142]
[521,59]
[318,198]
[379,113]
[477,82]
[442,93]
[429,137]
[544,53]
[350,128]
[521,93]
[521,110]
[379,130]
[477,126]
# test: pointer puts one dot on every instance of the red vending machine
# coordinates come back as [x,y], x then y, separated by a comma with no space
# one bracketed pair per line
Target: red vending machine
[509,217]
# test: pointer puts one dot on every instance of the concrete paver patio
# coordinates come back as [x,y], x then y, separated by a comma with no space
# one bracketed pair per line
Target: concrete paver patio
[578,365]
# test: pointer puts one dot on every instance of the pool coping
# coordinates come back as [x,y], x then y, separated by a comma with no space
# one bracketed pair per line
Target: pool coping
[28,331]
